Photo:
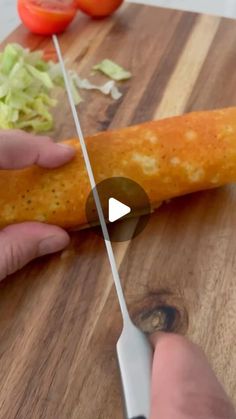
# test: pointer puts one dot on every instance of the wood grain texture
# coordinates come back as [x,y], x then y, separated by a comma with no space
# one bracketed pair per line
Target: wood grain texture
[59,317]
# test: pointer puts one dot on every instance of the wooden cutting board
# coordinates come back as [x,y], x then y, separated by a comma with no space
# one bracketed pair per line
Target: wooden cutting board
[59,317]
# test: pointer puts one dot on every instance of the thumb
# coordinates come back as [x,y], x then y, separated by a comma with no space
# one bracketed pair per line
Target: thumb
[184,386]
[21,243]
[19,149]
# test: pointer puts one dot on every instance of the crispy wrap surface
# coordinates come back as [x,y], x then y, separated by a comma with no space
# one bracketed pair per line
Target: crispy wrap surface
[168,158]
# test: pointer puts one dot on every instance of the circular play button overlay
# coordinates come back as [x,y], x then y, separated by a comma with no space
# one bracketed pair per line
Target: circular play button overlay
[125,205]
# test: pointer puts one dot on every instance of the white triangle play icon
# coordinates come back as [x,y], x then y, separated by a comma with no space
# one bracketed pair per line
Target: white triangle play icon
[117,210]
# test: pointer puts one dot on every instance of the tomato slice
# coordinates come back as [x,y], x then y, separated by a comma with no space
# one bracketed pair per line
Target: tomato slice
[45,17]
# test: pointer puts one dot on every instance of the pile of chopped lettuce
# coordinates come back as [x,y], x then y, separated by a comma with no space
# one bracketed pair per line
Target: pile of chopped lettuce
[27,82]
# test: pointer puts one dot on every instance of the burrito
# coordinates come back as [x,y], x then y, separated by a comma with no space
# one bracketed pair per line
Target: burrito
[167,158]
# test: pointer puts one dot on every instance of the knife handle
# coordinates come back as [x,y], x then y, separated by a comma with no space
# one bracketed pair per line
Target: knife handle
[135,356]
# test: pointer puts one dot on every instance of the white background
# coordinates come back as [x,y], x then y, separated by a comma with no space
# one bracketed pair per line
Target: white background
[9,19]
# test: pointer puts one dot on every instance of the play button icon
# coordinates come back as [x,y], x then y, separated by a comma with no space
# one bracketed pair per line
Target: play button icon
[117,210]
[125,206]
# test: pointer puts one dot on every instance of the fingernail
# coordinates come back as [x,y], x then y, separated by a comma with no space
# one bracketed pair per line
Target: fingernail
[52,244]
[66,146]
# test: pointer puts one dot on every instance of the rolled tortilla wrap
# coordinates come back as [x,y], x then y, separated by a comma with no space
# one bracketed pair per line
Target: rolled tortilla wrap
[168,158]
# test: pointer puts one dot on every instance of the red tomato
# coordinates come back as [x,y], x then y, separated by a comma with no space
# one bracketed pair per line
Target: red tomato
[46,17]
[98,8]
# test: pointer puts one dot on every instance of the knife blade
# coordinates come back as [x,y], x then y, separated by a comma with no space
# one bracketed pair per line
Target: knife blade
[134,350]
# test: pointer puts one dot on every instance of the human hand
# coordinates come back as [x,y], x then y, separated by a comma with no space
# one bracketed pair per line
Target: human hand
[21,243]
[183,384]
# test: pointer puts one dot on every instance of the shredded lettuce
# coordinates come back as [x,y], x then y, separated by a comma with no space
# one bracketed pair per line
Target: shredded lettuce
[75,93]
[41,76]
[26,84]
[112,70]
[109,88]
[9,59]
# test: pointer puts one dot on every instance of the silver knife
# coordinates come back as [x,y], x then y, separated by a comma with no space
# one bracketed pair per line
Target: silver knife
[134,350]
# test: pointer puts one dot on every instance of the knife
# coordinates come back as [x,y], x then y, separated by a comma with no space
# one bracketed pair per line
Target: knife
[134,350]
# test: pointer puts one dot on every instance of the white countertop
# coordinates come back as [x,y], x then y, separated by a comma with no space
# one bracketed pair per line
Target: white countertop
[9,19]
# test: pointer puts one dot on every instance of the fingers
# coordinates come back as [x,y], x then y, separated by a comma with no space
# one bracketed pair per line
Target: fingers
[183,385]
[19,149]
[21,243]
